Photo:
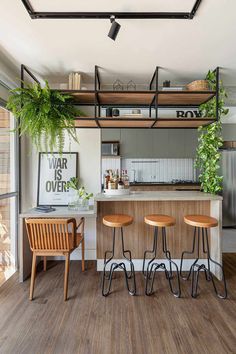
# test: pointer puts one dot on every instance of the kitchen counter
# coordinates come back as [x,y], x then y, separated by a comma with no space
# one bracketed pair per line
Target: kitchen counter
[139,237]
[159,196]
[164,184]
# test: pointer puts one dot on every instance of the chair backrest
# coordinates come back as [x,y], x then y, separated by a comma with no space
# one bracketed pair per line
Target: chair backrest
[50,234]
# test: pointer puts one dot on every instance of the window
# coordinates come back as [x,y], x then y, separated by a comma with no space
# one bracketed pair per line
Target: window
[8,195]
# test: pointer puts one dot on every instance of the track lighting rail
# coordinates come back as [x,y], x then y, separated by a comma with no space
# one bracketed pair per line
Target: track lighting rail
[106,15]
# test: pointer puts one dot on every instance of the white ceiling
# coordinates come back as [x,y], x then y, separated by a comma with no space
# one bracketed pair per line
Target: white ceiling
[185,49]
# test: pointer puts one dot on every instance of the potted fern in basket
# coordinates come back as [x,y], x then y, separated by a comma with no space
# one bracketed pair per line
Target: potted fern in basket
[44,115]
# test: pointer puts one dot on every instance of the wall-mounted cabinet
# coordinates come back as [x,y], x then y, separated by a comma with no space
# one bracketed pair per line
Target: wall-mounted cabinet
[164,143]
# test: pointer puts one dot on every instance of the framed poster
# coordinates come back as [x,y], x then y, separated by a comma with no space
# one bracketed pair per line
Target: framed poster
[54,171]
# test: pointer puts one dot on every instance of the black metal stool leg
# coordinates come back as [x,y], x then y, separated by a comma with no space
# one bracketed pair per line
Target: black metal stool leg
[153,251]
[150,279]
[196,268]
[195,244]
[210,275]
[169,274]
[130,275]
[195,278]
[153,266]
[106,290]
[107,278]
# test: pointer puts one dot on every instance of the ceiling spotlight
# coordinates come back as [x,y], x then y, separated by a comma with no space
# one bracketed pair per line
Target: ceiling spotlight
[115,27]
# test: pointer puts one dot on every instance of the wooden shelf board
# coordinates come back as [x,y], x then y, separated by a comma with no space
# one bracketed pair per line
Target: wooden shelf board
[184,97]
[142,98]
[182,123]
[126,97]
[111,122]
[126,124]
[82,96]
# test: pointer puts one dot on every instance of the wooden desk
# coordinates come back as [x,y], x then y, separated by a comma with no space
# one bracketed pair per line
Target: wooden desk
[24,252]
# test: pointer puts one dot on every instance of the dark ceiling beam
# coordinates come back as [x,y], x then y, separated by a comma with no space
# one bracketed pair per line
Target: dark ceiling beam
[28,7]
[195,8]
[106,15]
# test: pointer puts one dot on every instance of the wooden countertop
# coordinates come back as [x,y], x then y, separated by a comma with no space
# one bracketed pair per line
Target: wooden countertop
[132,184]
[159,196]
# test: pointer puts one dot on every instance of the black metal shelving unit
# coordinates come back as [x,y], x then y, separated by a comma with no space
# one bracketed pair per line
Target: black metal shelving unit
[152,99]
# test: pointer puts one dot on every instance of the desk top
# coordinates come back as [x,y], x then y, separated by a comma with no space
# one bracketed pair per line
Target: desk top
[60,212]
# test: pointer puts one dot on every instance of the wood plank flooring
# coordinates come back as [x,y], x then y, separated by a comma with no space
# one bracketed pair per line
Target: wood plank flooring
[120,324]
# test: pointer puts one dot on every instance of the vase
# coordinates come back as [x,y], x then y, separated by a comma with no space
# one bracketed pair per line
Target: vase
[76,202]
[82,204]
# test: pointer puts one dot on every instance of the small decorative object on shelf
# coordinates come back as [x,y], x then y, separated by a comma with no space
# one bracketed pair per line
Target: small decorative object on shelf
[173,88]
[131,86]
[80,198]
[74,81]
[115,112]
[118,86]
[198,85]
[109,111]
[166,83]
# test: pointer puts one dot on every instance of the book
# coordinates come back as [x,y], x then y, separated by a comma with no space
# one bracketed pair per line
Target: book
[173,88]
[74,81]
[44,209]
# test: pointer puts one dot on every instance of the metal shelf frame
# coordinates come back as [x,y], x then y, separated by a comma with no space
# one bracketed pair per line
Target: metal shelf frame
[153,105]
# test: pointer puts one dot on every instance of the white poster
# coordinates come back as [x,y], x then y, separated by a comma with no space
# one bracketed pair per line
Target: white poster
[54,172]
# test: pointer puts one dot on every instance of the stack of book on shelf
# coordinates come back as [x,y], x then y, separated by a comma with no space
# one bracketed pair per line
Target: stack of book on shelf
[74,81]
[173,88]
[133,115]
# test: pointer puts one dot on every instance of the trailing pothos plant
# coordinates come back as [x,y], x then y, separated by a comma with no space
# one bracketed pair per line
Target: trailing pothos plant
[210,140]
[44,115]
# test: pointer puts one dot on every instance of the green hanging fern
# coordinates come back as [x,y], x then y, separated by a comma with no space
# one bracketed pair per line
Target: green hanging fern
[43,115]
[210,140]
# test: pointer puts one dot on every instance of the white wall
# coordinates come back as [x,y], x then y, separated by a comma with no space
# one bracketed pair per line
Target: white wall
[9,75]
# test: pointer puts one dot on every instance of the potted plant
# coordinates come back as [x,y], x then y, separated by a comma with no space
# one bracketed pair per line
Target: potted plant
[44,115]
[81,197]
[210,140]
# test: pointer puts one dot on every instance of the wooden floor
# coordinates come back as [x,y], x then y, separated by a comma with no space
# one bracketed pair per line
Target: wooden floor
[120,324]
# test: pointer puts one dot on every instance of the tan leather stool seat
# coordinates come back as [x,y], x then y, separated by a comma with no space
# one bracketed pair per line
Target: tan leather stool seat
[200,221]
[159,220]
[118,220]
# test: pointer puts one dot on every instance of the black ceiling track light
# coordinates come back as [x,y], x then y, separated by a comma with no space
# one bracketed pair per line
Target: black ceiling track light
[115,27]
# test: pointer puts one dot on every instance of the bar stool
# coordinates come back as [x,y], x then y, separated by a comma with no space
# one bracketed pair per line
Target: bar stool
[118,221]
[201,225]
[160,221]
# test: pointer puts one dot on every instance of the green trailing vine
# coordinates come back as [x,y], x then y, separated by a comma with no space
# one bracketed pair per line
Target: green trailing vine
[210,140]
[44,114]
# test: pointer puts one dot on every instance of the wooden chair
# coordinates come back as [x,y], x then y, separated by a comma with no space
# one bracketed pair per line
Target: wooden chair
[54,237]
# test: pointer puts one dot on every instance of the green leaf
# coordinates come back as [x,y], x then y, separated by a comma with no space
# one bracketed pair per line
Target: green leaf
[44,114]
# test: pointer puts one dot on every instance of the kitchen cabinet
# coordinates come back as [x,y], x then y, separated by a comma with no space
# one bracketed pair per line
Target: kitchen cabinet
[161,147]
[161,143]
